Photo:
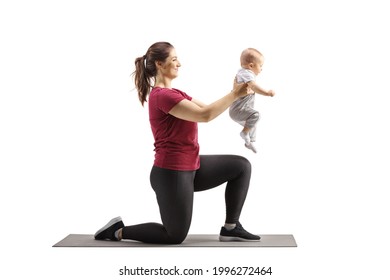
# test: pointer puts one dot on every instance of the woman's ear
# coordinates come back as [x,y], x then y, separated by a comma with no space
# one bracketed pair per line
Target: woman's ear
[158,64]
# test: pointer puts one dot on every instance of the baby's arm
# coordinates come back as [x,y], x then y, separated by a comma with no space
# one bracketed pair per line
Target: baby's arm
[256,88]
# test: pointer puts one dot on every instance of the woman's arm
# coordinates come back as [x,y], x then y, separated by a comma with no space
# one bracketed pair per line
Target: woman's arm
[196,111]
[199,103]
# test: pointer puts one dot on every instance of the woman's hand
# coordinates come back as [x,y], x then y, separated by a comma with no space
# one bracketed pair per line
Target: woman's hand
[240,89]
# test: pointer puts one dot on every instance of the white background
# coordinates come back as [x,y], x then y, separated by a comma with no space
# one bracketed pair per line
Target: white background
[76,147]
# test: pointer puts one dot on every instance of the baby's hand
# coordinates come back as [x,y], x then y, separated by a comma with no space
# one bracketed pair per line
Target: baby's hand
[271,93]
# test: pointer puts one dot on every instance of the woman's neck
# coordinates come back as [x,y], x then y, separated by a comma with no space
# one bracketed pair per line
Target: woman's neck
[163,82]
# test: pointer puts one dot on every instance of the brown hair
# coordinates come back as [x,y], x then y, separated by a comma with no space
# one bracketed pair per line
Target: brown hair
[249,55]
[145,68]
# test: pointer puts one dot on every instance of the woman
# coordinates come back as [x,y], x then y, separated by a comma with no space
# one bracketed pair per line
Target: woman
[178,168]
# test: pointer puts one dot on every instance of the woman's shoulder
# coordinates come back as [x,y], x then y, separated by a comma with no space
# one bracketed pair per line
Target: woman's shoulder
[165,98]
[160,90]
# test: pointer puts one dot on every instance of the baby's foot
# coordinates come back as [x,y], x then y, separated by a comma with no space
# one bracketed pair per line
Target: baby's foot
[246,137]
[251,146]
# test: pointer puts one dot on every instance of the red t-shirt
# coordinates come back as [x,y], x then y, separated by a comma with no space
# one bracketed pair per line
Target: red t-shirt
[176,140]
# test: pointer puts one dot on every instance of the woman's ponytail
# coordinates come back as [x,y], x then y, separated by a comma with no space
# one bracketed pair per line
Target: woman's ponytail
[141,79]
[145,68]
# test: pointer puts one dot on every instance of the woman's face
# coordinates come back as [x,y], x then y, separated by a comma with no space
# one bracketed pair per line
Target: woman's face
[170,68]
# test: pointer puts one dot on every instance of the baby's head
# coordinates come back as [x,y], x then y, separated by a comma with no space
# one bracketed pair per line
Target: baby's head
[252,59]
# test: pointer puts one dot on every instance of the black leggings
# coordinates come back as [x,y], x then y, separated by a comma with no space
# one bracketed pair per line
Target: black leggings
[175,190]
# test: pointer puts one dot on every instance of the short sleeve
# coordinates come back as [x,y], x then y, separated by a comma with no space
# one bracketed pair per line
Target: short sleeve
[244,76]
[168,98]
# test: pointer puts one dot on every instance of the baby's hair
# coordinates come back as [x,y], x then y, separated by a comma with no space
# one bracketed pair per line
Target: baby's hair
[249,55]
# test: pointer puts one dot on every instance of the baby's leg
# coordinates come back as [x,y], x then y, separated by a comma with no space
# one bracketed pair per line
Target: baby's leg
[252,133]
[247,117]
[251,123]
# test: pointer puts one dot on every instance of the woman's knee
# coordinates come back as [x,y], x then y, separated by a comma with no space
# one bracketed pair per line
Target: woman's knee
[178,227]
[177,237]
[244,163]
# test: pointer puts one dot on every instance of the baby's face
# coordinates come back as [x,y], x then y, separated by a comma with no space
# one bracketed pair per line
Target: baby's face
[257,65]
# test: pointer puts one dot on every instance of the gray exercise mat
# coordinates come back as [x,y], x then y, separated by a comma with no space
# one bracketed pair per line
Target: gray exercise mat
[192,240]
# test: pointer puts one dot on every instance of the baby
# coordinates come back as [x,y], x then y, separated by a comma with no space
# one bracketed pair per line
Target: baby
[242,110]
